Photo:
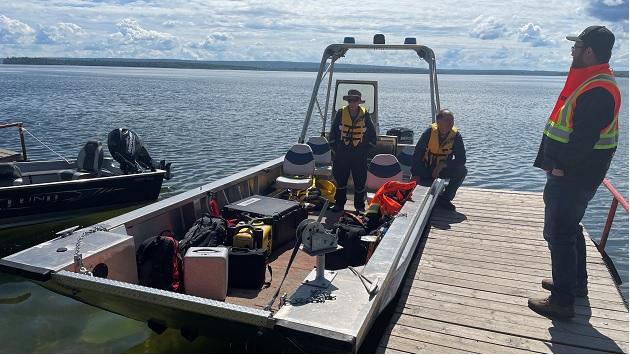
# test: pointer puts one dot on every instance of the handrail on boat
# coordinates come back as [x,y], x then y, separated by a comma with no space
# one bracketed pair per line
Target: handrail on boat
[617,198]
[21,132]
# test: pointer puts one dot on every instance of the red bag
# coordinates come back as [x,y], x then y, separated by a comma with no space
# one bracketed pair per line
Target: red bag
[392,195]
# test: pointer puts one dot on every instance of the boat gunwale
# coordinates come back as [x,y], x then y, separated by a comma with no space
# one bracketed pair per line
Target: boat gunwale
[199,305]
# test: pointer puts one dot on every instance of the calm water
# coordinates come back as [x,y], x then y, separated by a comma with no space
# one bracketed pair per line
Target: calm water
[213,123]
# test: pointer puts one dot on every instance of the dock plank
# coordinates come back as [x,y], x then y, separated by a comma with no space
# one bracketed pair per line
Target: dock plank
[468,285]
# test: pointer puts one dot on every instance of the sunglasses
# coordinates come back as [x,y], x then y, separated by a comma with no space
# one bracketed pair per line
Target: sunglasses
[352,99]
[576,47]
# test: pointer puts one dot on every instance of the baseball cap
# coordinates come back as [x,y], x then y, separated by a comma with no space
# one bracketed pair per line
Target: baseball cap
[599,38]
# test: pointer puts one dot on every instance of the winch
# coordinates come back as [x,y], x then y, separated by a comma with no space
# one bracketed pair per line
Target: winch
[315,239]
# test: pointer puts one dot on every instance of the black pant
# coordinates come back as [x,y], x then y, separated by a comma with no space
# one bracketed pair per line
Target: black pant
[455,175]
[342,166]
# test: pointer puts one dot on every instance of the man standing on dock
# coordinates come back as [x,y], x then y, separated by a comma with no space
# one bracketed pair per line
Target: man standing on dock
[577,147]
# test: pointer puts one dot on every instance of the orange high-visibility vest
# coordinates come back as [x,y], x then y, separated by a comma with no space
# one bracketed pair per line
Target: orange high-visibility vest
[560,123]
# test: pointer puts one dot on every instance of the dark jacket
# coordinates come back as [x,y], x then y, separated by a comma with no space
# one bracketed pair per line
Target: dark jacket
[594,110]
[337,145]
[455,159]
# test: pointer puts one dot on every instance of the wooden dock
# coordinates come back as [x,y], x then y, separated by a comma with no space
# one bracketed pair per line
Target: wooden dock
[467,289]
[9,155]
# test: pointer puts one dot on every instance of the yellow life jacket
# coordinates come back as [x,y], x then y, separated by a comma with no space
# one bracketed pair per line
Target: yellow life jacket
[352,131]
[560,124]
[436,152]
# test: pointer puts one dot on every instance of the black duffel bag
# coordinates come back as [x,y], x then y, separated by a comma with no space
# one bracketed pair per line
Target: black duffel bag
[207,231]
[354,252]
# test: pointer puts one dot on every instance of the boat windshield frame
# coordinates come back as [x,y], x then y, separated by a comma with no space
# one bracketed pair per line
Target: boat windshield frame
[334,52]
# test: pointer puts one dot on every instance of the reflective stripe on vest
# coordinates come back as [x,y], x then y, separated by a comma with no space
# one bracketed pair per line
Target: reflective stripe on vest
[352,131]
[560,126]
[436,152]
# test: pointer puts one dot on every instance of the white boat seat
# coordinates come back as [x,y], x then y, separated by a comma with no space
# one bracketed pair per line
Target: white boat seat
[10,175]
[293,183]
[382,168]
[322,155]
[297,168]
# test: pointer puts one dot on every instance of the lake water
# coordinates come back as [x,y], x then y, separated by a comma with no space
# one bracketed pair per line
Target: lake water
[211,124]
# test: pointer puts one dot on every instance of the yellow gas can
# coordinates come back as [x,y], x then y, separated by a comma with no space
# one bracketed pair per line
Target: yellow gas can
[256,235]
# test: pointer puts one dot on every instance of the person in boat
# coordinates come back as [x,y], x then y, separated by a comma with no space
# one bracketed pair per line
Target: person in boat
[352,135]
[577,146]
[440,152]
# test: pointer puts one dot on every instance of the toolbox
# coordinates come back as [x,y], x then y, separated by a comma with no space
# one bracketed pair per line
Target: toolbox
[206,272]
[283,216]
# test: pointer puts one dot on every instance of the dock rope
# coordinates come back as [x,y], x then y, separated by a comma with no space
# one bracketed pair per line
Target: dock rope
[44,144]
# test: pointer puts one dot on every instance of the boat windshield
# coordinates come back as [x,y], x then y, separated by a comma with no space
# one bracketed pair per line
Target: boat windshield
[367,91]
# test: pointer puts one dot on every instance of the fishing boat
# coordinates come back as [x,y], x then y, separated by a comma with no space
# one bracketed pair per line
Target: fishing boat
[318,309]
[40,191]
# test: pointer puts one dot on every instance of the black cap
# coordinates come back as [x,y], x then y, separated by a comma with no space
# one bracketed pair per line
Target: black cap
[599,38]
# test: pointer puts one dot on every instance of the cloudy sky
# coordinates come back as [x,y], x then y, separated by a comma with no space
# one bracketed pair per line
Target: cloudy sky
[477,34]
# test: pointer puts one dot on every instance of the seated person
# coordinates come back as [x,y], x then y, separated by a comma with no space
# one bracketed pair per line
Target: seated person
[440,153]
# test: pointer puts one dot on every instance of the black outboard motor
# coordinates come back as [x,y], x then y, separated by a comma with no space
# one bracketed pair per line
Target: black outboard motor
[127,148]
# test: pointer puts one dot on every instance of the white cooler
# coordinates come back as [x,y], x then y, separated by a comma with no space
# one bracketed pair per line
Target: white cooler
[206,272]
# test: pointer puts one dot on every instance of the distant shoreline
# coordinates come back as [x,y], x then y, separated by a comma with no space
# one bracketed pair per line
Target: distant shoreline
[264,66]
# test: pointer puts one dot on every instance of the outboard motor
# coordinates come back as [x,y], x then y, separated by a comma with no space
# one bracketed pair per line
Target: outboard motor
[127,148]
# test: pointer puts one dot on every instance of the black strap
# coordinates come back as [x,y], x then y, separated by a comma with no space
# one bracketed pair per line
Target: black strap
[298,241]
[268,283]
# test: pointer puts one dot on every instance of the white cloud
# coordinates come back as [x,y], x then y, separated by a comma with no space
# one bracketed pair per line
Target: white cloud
[488,28]
[608,10]
[14,31]
[531,33]
[176,23]
[61,33]
[130,33]
[280,30]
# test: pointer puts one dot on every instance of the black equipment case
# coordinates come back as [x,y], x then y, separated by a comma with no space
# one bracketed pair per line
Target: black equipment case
[405,135]
[283,216]
[246,268]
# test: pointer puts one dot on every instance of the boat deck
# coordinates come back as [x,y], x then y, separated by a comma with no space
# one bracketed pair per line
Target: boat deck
[9,155]
[467,288]
[301,267]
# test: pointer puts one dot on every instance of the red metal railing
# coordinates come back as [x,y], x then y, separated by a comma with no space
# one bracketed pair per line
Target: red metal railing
[617,198]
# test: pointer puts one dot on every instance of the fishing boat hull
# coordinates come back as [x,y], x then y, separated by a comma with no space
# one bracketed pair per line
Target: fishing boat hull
[44,202]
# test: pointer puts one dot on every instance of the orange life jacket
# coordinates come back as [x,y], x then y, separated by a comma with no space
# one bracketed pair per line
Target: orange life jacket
[392,195]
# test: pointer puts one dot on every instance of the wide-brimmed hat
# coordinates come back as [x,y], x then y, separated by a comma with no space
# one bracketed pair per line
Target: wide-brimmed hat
[599,38]
[355,94]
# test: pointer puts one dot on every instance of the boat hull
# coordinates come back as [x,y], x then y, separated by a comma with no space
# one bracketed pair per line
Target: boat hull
[38,203]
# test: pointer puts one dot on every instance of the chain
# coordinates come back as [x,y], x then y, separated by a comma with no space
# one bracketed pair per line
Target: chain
[317,296]
[78,258]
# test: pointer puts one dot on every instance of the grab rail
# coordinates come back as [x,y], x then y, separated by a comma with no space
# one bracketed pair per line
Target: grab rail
[617,198]
[20,129]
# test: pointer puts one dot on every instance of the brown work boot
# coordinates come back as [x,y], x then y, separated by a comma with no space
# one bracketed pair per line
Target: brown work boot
[549,308]
[547,284]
